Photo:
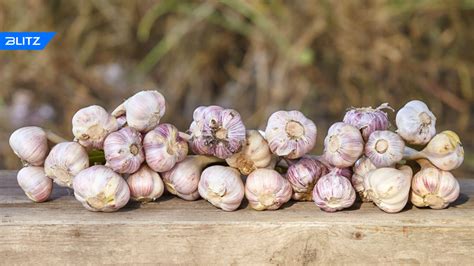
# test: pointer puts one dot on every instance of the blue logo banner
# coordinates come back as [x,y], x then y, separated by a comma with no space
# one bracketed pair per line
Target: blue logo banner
[25,40]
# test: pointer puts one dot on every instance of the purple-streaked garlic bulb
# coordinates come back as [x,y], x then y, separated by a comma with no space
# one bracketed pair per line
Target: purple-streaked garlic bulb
[91,125]
[183,179]
[368,119]
[384,148]
[255,154]
[99,188]
[143,110]
[416,123]
[164,147]
[290,134]
[65,161]
[266,189]
[145,185]
[343,145]
[123,150]
[34,182]
[216,131]
[303,175]
[222,186]
[30,144]
[333,192]
[361,168]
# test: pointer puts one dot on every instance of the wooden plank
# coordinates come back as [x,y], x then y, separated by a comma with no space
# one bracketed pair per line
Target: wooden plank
[171,230]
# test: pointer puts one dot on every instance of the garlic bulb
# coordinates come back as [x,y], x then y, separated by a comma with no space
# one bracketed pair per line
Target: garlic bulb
[343,145]
[416,123]
[143,110]
[30,144]
[99,188]
[433,188]
[91,125]
[255,154]
[266,189]
[123,150]
[34,183]
[145,185]
[216,131]
[303,175]
[65,161]
[222,187]
[445,151]
[290,134]
[389,188]
[333,192]
[164,147]
[384,148]
[361,168]
[367,119]
[183,179]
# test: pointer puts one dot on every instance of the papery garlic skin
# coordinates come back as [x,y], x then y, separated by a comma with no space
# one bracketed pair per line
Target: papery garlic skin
[389,188]
[36,185]
[416,123]
[143,110]
[123,150]
[91,125]
[99,188]
[303,175]
[343,145]
[30,144]
[65,161]
[290,134]
[367,119]
[164,147]
[255,154]
[145,185]
[433,188]
[266,189]
[360,169]
[384,148]
[333,192]
[222,187]
[216,131]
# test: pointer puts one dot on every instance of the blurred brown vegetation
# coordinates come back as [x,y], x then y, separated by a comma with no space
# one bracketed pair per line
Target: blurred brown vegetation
[321,57]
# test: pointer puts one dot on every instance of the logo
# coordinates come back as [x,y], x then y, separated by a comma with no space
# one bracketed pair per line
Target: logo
[25,40]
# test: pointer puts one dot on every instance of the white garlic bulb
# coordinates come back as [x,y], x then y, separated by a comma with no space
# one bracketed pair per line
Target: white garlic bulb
[445,151]
[30,144]
[343,145]
[433,188]
[123,150]
[65,161]
[384,148]
[416,123]
[333,192]
[91,125]
[145,185]
[266,189]
[255,154]
[361,168]
[222,187]
[389,188]
[99,188]
[34,183]
[143,110]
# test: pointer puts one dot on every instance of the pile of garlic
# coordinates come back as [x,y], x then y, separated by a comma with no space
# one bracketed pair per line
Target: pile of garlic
[128,155]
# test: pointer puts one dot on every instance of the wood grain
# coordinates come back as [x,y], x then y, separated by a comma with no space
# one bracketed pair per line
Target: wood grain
[173,231]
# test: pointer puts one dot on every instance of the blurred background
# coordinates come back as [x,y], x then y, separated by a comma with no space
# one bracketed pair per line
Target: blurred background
[320,57]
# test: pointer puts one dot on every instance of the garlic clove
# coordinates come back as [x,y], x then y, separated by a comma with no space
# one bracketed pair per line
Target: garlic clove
[333,192]
[343,145]
[266,189]
[65,161]
[361,168]
[123,150]
[303,175]
[222,187]
[30,144]
[36,185]
[290,134]
[91,125]
[384,148]
[367,119]
[99,188]
[164,147]
[145,185]
[416,123]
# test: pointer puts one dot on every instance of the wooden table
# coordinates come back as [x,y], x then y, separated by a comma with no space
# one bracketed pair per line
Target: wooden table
[175,231]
